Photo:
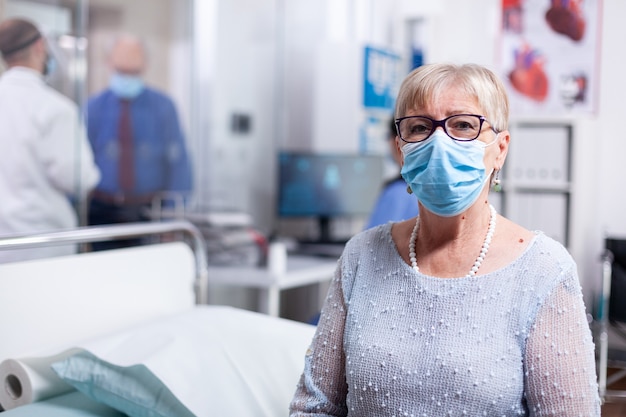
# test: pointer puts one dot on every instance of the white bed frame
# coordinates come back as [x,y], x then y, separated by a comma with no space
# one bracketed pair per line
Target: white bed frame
[70,298]
[49,305]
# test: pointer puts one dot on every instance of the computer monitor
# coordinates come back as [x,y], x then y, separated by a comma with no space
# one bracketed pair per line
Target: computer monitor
[326,186]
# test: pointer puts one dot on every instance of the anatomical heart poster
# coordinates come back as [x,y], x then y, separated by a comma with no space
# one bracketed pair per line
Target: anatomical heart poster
[549,56]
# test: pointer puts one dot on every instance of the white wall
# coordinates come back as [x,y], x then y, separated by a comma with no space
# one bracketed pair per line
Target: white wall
[235,57]
[605,133]
[50,19]
[603,204]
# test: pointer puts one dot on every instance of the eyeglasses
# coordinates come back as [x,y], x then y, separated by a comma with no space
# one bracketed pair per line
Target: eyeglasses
[461,127]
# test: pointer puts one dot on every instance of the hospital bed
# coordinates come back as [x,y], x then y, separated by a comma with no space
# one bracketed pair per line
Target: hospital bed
[128,332]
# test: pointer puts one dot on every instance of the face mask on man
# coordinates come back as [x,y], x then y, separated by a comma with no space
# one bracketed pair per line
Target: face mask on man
[50,65]
[126,86]
[446,175]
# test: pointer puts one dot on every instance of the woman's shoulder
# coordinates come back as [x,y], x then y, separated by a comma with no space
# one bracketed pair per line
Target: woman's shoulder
[365,237]
[520,245]
[373,243]
[365,255]
[549,248]
[548,261]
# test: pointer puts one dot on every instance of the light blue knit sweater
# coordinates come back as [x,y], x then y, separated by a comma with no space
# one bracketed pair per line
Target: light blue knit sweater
[395,342]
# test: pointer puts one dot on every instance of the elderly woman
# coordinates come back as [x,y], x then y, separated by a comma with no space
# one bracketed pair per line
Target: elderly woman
[459,311]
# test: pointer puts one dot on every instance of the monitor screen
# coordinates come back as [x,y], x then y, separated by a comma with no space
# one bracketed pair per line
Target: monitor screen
[328,185]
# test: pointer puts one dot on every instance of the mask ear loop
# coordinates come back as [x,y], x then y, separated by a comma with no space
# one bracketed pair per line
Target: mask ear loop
[493,141]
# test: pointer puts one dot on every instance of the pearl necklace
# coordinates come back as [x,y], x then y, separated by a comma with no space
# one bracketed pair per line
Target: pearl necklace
[483,250]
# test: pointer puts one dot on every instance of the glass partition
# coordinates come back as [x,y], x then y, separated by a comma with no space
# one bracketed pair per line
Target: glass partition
[81,36]
[60,169]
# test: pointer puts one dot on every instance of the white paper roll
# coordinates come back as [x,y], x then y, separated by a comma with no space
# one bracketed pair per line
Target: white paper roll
[29,380]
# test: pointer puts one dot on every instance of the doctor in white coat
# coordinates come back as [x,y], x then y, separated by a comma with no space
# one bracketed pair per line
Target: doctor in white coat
[45,158]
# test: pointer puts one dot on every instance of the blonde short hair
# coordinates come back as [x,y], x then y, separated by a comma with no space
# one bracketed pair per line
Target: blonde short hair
[424,84]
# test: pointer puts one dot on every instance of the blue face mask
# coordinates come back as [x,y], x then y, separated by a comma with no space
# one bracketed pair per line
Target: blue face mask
[126,86]
[50,66]
[447,176]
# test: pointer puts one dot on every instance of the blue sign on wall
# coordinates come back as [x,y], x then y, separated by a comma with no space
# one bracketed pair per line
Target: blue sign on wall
[417,57]
[380,78]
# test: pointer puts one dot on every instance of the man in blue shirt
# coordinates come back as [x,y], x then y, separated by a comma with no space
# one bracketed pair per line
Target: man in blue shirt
[394,203]
[137,141]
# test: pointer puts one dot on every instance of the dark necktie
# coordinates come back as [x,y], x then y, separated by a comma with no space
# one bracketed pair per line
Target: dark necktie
[126,161]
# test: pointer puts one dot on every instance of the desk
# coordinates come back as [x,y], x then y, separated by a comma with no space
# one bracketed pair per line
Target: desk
[301,270]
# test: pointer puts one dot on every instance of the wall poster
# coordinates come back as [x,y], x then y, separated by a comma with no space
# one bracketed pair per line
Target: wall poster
[549,56]
[381,81]
[381,78]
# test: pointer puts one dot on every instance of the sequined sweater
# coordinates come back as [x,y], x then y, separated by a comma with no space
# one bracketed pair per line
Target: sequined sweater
[395,342]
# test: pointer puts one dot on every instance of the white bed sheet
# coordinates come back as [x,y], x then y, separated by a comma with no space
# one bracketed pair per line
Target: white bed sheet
[73,404]
[218,361]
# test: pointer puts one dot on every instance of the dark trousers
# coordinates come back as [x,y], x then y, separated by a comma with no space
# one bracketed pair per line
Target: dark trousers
[101,213]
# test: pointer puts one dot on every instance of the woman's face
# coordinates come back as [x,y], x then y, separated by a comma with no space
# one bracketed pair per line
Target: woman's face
[453,101]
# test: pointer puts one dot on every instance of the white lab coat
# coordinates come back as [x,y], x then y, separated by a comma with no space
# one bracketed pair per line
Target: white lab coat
[45,159]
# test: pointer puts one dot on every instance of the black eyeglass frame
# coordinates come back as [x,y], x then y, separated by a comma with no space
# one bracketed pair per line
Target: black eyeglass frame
[442,123]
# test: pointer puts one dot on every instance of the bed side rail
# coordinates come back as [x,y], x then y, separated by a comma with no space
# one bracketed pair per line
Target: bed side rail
[102,233]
